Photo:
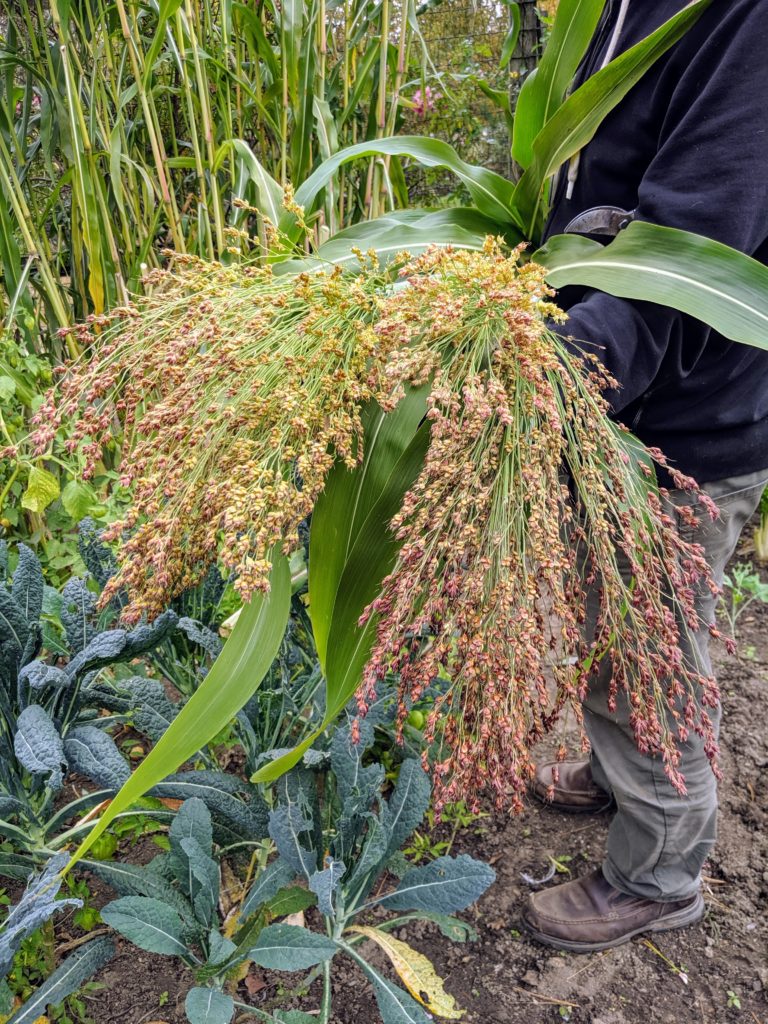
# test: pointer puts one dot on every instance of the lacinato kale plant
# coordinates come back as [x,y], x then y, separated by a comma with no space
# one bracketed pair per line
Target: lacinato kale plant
[335,834]
[53,724]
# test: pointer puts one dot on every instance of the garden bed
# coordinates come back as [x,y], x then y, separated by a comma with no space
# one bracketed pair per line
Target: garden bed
[505,977]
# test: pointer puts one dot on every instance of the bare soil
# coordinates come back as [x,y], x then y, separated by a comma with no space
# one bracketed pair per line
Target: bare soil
[507,978]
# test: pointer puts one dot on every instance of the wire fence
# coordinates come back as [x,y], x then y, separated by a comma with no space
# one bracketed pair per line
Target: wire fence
[462,101]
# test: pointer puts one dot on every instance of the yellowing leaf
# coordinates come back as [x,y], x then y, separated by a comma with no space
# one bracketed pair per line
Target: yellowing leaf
[417,973]
[229,624]
[42,489]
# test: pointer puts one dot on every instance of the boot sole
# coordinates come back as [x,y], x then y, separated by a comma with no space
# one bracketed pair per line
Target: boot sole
[680,919]
[574,808]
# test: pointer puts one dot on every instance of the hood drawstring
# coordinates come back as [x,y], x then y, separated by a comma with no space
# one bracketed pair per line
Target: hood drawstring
[573,166]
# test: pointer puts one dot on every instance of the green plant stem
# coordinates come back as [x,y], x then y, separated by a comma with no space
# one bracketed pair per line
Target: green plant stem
[9,484]
[325,1006]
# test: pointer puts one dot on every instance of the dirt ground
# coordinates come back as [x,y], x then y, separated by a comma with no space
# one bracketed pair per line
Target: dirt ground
[506,978]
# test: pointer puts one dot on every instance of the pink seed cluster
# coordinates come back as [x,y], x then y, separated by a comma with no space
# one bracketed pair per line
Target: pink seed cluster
[528,496]
[235,390]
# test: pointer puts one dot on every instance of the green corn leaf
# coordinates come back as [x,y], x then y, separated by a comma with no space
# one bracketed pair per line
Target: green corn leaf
[510,40]
[706,279]
[370,559]
[363,80]
[462,228]
[250,169]
[348,499]
[166,9]
[574,123]
[355,515]
[491,193]
[544,89]
[233,678]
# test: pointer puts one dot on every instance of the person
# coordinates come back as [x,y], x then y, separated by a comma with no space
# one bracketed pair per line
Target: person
[686,148]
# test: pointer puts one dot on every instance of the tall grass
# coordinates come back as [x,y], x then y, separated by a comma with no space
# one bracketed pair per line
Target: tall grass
[129,126]
[126,126]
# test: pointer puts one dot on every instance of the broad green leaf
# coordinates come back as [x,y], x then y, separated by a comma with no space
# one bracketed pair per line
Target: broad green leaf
[370,558]
[28,585]
[233,678]
[235,820]
[270,201]
[706,279]
[443,886]
[325,883]
[347,500]
[15,633]
[416,972]
[134,880]
[405,809]
[372,552]
[289,829]
[286,947]
[574,124]
[203,880]
[544,89]
[38,903]
[68,977]
[148,923]
[207,1006]
[38,745]
[513,34]
[267,885]
[290,900]
[42,489]
[78,499]
[462,228]
[368,864]
[192,821]
[93,753]
[491,193]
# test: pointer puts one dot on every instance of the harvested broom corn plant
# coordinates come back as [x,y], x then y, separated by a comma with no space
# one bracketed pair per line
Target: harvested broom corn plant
[237,390]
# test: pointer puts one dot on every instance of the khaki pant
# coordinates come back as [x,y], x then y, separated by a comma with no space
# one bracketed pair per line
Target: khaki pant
[658,840]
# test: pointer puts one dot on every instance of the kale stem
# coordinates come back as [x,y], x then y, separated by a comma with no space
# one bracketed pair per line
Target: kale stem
[325,1006]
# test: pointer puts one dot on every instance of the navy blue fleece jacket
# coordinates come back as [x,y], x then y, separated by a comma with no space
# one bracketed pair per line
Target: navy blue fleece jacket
[688,148]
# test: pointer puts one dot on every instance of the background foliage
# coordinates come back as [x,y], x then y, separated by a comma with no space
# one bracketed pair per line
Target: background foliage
[130,127]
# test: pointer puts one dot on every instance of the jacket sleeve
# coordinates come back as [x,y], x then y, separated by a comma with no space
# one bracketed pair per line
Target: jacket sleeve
[709,176]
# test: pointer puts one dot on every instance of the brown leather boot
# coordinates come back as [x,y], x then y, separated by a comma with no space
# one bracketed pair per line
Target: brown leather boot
[588,914]
[576,792]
